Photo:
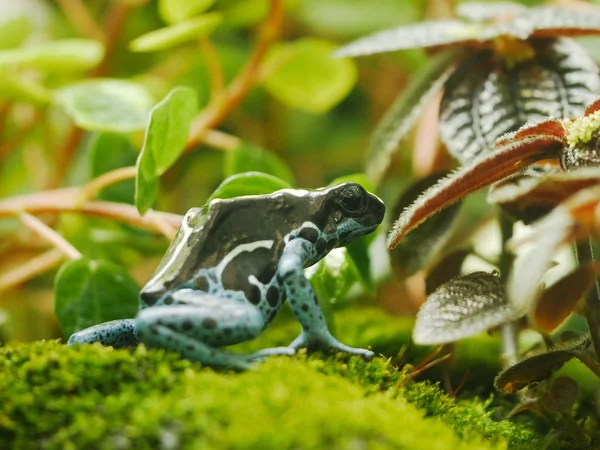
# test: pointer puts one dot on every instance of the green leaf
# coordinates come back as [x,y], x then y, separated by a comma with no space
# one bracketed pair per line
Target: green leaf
[462,307]
[173,11]
[14,32]
[405,111]
[246,158]
[304,76]
[174,35]
[90,292]
[110,151]
[65,55]
[106,104]
[165,140]
[425,243]
[18,87]
[248,183]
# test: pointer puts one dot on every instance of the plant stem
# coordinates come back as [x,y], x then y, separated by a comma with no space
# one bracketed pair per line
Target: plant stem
[510,345]
[575,430]
[32,268]
[106,179]
[592,299]
[223,104]
[213,65]
[48,234]
[68,200]
[591,364]
[81,20]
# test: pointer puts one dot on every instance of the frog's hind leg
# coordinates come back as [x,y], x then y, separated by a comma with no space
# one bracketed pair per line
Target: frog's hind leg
[116,333]
[197,324]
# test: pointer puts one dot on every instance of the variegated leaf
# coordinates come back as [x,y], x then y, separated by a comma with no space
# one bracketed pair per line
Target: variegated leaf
[551,21]
[539,367]
[486,11]
[484,100]
[531,195]
[404,113]
[425,34]
[558,301]
[461,308]
[482,172]
[425,243]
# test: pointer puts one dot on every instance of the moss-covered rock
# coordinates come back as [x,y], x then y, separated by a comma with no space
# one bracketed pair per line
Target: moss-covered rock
[53,396]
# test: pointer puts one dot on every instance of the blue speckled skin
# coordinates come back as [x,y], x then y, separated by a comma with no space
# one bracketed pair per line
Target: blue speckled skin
[231,267]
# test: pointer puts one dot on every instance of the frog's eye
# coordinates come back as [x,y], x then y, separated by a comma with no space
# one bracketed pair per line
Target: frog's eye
[353,198]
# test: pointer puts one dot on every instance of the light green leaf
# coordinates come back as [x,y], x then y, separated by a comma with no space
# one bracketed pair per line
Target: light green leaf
[14,32]
[65,55]
[173,11]
[165,140]
[248,183]
[90,292]
[174,35]
[250,158]
[106,104]
[15,87]
[304,75]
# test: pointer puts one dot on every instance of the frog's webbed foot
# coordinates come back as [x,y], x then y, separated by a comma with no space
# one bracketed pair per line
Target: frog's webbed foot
[116,333]
[328,342]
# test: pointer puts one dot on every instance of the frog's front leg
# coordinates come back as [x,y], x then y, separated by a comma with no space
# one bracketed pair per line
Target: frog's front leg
[116,333]
[197,324]
[315,332]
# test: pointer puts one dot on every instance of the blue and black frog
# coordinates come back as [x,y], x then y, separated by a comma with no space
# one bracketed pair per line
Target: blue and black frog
[231,266]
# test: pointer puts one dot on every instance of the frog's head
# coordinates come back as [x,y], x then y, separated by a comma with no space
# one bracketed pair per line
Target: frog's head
[351,212]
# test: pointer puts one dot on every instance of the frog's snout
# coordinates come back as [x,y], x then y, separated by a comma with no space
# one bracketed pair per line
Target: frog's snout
[376,209]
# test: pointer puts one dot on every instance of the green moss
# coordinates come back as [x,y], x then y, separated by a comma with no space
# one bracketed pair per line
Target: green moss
[53,396]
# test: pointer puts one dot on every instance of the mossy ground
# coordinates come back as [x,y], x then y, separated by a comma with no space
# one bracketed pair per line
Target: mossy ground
[53,396]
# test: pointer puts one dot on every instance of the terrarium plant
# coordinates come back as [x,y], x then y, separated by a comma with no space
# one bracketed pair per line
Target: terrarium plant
[561,207]
[500,65]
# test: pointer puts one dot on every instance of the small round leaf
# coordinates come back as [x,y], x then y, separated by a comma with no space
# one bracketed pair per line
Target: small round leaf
[305,76]
[106,104]
[173,11]
[248,183]
[174,35]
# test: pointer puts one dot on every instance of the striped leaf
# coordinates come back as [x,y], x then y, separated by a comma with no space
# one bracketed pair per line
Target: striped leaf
[554,21]
[405,112]
[461,308]
[486,11]
[425,34]
[484,100]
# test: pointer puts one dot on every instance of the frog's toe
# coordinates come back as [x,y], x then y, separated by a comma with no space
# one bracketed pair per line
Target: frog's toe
[265,353]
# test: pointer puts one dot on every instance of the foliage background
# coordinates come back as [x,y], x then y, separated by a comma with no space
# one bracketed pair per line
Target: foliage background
[41,149]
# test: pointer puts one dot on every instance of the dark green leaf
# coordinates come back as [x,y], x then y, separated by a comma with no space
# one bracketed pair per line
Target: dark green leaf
[173,11]
[461,308]
[249,183]
[106,104]
[539,367]
[562,395]
[110,151]
[484,100]
[248,158]
[178,34]
[404,113]
[425,34]
[303,75]
[14,32]
[165,140]
[56,56]
[90,292]
[425,243]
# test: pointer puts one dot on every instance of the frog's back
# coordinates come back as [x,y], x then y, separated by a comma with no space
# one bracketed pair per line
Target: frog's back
[240,237]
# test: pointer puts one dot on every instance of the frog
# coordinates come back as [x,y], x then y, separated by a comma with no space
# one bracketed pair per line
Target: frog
[232,265]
